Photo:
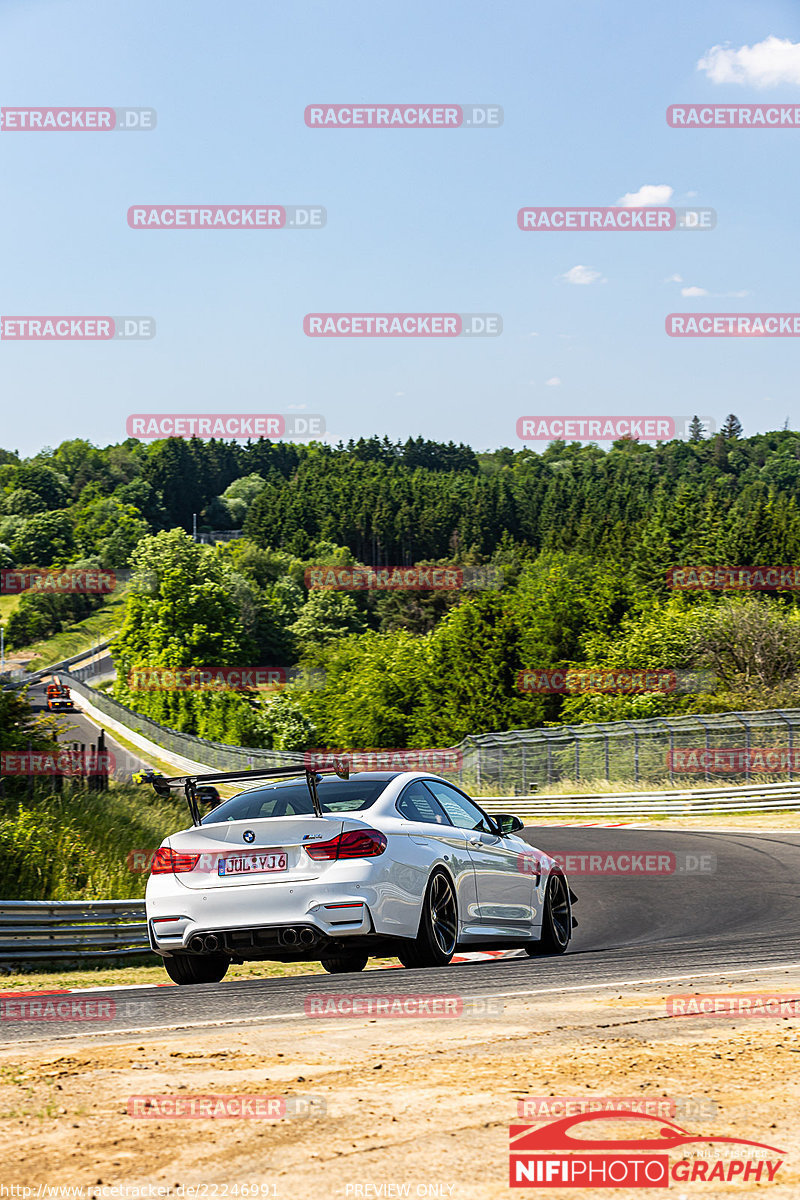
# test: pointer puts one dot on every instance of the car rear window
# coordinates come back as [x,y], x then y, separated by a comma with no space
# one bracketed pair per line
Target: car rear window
[290,798]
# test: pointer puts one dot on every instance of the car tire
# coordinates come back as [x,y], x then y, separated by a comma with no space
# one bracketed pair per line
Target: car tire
[556,919]
[342,964]
[436,938]
[197,968]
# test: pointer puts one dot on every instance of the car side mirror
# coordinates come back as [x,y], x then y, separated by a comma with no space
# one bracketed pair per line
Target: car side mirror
[507,823]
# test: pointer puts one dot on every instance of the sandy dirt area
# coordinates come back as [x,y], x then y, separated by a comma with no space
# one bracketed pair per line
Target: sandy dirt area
[415,1107]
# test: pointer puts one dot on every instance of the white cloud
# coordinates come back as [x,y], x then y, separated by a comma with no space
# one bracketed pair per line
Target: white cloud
[766,64]
[674,279]
[580,274]
[648,193]
[399,393]
[554,381]
[699,291]
[531,335]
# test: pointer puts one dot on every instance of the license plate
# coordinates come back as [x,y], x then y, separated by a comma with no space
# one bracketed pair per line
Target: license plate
[253,864]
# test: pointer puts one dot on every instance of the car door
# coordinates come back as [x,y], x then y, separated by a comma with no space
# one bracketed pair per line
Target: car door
[505,892]
[424,821]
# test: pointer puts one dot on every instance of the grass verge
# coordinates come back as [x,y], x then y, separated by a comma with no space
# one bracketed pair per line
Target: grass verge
[78,845]
[74,639]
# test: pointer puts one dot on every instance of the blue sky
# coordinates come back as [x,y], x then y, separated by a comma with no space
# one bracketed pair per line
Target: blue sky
[417,220]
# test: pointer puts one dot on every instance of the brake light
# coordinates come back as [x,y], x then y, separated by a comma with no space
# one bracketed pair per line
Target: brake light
[356,843]
[361,843]
[167,861]
[321,851]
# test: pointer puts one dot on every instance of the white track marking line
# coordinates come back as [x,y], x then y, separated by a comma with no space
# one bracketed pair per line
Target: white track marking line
[582,987]
[585,987]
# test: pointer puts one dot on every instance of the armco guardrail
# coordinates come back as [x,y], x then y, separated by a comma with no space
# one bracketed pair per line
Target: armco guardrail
[31,929]
[778,797]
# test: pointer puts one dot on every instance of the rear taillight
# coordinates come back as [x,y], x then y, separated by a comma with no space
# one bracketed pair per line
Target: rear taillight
[361,843]
[168,862]
[357,843]
[321,851]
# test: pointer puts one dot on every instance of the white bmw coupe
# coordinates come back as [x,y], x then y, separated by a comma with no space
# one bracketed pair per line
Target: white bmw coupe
[335,868]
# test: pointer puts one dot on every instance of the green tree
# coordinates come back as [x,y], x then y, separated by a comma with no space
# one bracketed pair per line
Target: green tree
[43,539]
[22,502]
[325,617]
[732,427]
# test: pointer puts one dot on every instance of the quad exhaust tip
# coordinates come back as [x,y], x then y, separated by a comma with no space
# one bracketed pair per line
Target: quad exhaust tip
[297,937]
[210,943]
[207,944]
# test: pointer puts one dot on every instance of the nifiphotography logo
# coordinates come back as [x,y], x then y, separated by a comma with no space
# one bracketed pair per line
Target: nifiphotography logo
[549,1156]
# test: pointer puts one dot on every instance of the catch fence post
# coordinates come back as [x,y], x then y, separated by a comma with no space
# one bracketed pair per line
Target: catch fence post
[708,743]
[788,725]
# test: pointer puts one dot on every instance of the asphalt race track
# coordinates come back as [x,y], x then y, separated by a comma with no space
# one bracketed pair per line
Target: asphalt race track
[78,728]
[740,917]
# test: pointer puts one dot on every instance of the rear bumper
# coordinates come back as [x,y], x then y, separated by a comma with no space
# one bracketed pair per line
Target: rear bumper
[249,925]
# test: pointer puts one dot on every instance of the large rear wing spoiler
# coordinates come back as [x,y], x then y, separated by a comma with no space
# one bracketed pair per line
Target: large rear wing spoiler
[195,785]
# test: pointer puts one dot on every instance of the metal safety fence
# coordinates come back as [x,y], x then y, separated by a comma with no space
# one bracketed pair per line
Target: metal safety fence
[690,750]
[32,929]
[215,755]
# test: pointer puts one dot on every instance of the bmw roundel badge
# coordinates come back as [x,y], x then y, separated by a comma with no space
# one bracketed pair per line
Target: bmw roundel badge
[249,835]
